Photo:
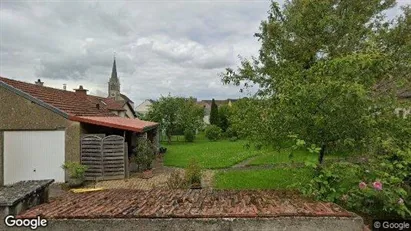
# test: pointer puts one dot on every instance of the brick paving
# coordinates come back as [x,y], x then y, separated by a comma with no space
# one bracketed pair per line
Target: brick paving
[134,182]
[159,180]
[161,203]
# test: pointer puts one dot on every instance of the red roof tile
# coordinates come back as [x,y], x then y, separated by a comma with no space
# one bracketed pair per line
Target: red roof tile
[67,101]
[112,104]
[205,203]
[128,124]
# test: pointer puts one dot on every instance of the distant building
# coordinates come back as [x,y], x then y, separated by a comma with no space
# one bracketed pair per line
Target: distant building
[207,107]
[144,107]
[405,99]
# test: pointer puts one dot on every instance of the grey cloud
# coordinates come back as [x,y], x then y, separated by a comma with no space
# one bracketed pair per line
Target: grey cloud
[178,47]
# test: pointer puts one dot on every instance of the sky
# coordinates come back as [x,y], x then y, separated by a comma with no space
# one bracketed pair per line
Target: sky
[161,47]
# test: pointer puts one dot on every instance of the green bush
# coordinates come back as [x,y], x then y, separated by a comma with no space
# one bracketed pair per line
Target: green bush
[76,170]
[193,173]
[189,135]
[384,188]
[233,139]
[213,132]
[378,187]
[230,132]
[145,154]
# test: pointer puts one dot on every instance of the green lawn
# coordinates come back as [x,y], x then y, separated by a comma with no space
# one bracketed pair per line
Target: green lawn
[211,155]
[281,178]
[269,156]
[224,153]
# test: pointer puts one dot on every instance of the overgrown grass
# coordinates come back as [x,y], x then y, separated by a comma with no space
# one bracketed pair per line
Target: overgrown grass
[279,178]
[270,156]
[224,153]
[211,155]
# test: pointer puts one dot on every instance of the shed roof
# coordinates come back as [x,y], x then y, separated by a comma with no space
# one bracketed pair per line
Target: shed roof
[134,125]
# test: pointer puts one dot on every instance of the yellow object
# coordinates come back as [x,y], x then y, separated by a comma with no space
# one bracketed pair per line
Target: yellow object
[83,190]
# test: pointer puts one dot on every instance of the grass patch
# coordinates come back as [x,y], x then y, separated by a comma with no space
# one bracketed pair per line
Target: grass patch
[281,178]
[270,156]
[224,153]
[211,155]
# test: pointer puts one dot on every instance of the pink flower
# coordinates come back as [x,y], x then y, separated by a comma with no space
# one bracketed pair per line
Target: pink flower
[362,185]
[377,185]
[400,201]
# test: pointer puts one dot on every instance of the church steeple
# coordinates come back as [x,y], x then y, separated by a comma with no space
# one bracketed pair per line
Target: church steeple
[114,83]
[114,71]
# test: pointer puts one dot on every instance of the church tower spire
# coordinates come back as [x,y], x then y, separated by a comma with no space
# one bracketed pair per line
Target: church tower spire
[114,83]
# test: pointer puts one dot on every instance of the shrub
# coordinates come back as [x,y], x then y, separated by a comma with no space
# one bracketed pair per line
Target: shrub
[145,154]
[189,135]
[193,173]
[233,139]
[383,190]
[230,132]
[213,132]
[76,170]
[162,150]
[327,183]
[258,146]
[378,188]
[176,181]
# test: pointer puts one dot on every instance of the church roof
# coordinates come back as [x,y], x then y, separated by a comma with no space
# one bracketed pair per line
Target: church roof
[126,98]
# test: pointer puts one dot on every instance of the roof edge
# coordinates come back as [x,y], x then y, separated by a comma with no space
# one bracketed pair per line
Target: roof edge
[150,127]
[34,99]
[84,120]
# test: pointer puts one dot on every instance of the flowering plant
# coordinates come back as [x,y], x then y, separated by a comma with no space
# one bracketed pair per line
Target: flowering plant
[383,191]
[378,188]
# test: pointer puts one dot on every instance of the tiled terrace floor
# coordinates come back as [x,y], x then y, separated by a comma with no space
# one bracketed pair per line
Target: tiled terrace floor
[160,203]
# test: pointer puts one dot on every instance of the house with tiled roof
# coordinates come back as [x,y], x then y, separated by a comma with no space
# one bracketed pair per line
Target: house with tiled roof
[405,99]
[207,107]
[144,107]
[43,127]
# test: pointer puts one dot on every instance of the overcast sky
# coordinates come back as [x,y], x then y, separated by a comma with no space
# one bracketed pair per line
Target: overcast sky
[162,47]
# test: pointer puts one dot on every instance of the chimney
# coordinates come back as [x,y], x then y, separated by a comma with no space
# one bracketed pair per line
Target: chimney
[81,90]
[39,83]
[64,87]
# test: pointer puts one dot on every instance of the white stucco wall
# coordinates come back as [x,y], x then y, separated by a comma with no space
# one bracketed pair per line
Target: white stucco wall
[143,107]
[403,112]
[128,112]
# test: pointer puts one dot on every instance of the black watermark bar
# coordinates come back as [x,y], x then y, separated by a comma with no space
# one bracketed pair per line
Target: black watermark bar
[381,225]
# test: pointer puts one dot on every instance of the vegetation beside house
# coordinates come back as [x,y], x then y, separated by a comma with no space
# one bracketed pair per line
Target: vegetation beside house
[324,109]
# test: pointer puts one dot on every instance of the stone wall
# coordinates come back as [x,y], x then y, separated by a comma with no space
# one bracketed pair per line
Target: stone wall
[1,158]
[243,224]
[18,113]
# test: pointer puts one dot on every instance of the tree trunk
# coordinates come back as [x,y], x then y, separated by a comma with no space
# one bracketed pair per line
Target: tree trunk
[322,152]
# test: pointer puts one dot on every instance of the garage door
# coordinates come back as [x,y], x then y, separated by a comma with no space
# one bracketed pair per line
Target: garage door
[33,155]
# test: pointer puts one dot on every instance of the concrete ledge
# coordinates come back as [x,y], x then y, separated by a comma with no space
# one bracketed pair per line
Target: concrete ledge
[23,195]
[246,224]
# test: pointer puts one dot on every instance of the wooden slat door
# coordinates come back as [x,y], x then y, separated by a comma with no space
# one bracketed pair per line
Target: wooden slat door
[91,156]
[113,157]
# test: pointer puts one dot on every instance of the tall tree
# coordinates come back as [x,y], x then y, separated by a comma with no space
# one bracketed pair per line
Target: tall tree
[175,113]
[214,119]
[317,69]
[223,114]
